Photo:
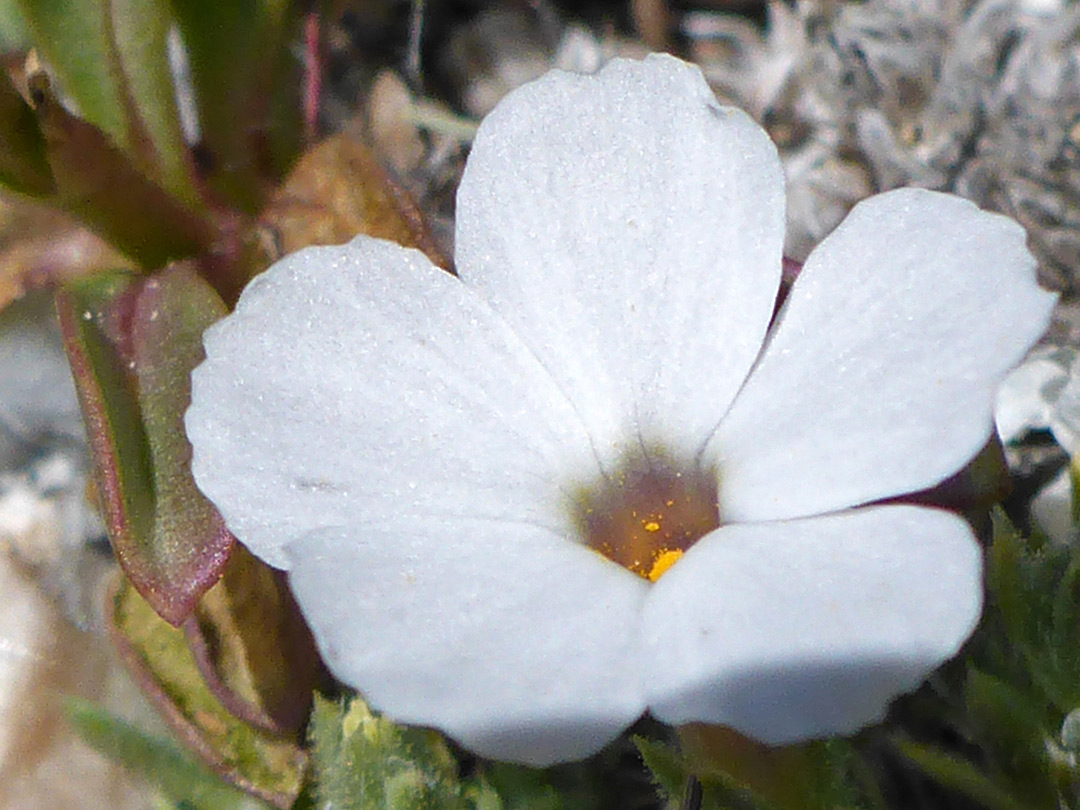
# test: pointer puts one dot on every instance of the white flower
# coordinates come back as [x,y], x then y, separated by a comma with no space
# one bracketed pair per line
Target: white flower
[1043,393]
[436,458]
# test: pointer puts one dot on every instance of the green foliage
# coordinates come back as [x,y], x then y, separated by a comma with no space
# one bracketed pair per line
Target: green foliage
[960,775]
[132,346]
[519,788]
[120,162]
[1022,682]
[111,58]
[740,774]
[240,65]
[362,761]
[182,780]
[14,34]
[668,768]
[264,763]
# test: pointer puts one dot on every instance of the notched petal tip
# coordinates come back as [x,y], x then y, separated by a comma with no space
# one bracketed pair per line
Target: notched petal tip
[877,379]
[632,245]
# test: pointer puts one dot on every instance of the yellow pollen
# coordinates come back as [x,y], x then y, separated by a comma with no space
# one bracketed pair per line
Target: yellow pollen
[648,513]
[664,561]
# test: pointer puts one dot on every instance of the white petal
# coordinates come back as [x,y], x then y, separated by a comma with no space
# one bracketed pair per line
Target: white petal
[510,639]
[630,229]
[795,630]
[1065,409]
[1052,509]
[1026,397]
[879,377]
[360,382]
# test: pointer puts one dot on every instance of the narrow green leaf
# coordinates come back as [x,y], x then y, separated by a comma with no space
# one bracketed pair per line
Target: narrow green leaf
[111,412]
[140,30]
[75,36]
[1064,641]
[1013,730]
[23,165]
[1036,591]
[266,765]
[667,767]
[960,775]
[132,345]
[110,57]
[188,545]
[176,774]
[237,50]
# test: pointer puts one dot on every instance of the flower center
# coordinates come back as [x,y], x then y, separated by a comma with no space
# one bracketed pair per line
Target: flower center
[648,513]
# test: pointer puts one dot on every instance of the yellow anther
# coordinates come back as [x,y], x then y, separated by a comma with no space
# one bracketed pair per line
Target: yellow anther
[663,562]
[648,513]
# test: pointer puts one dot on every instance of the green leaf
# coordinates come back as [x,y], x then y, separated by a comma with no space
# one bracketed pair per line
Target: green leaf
[14,33]
[668,768]
[793,777]
[101,185]
[253,647]
[1065,637]
[365,762]
[132,345]
[110,411]
[266,765]
[173,771]
[23,165]
[238,52]
[140,30]
[111,58]
[959,775]
[1013,729]
[1036,592]
[75,37]
[515,787]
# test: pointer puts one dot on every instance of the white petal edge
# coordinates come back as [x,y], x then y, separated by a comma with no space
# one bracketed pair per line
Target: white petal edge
[1052,509]
[878,378]
[807,628]
[512,640]
[1026,397]
[630,229]
[358,383]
